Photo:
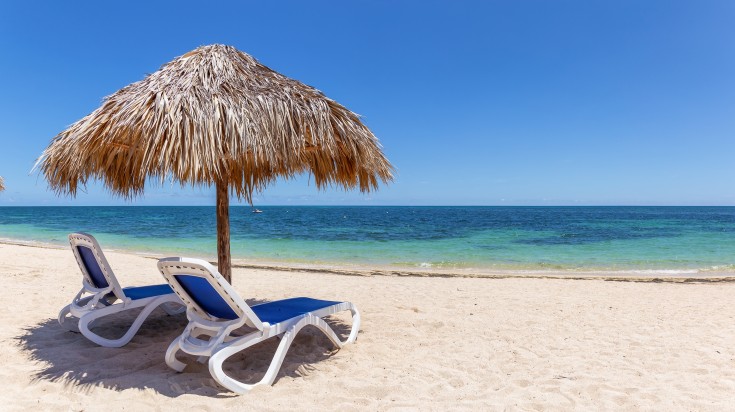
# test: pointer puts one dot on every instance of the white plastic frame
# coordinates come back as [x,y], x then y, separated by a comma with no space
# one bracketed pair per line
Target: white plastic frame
[221,344]
[91,303]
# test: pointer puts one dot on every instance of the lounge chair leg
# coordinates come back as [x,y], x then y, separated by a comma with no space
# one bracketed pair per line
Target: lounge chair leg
[215,369]
[171,360]
[286,341]
[355,324]
[287,338]
[86,321]
[324,327]
[218,358]
[70,323]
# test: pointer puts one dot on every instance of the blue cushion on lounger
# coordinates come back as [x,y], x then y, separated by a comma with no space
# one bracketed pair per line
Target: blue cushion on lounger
[142,292]
[206,296]
[281,310]
[93,268]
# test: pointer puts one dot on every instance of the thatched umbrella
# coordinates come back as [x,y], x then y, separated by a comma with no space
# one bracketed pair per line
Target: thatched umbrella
[2,184]
[216,116]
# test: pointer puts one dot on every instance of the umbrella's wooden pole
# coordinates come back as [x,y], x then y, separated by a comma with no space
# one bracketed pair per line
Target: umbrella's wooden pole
[224,264]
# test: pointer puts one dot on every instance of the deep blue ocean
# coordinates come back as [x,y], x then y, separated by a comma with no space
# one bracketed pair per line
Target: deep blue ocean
[683,239]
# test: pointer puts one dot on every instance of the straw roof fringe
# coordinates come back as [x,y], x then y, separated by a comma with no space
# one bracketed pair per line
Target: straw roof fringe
[2,184]
[215,114]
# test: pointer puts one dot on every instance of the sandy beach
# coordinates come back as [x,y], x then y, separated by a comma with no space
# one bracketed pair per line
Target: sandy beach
[426,343]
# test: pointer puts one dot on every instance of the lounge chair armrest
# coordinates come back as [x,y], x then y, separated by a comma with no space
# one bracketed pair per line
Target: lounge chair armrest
[225,332]
[97,292]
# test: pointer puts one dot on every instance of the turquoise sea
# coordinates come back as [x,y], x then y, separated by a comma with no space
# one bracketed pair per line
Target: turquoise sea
[632,239]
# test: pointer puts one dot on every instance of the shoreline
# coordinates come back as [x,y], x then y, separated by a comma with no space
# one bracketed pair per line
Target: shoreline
[639,275]
[425,343]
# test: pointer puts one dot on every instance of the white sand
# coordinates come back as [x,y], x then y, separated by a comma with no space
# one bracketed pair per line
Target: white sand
[426,343]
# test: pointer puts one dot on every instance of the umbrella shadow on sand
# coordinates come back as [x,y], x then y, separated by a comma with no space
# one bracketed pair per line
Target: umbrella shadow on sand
[81,365]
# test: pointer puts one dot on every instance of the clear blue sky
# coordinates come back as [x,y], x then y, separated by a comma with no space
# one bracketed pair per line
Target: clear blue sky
[475,103]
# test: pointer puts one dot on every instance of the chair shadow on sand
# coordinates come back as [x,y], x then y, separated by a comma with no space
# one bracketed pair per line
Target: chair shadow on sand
[71,359]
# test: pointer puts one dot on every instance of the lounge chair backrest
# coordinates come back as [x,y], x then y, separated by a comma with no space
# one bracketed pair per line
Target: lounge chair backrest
[93,264]
[203,289]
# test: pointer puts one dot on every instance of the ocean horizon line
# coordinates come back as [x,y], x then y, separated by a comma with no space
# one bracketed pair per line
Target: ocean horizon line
[403,206]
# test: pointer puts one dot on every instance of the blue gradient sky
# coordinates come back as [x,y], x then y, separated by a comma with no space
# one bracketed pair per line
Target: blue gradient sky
[476,103]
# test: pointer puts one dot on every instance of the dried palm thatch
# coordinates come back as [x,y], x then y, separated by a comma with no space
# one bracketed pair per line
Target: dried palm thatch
[2,184]
[215,116]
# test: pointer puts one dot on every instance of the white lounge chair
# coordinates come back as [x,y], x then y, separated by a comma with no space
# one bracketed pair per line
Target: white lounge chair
[215,310]
[101,295]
